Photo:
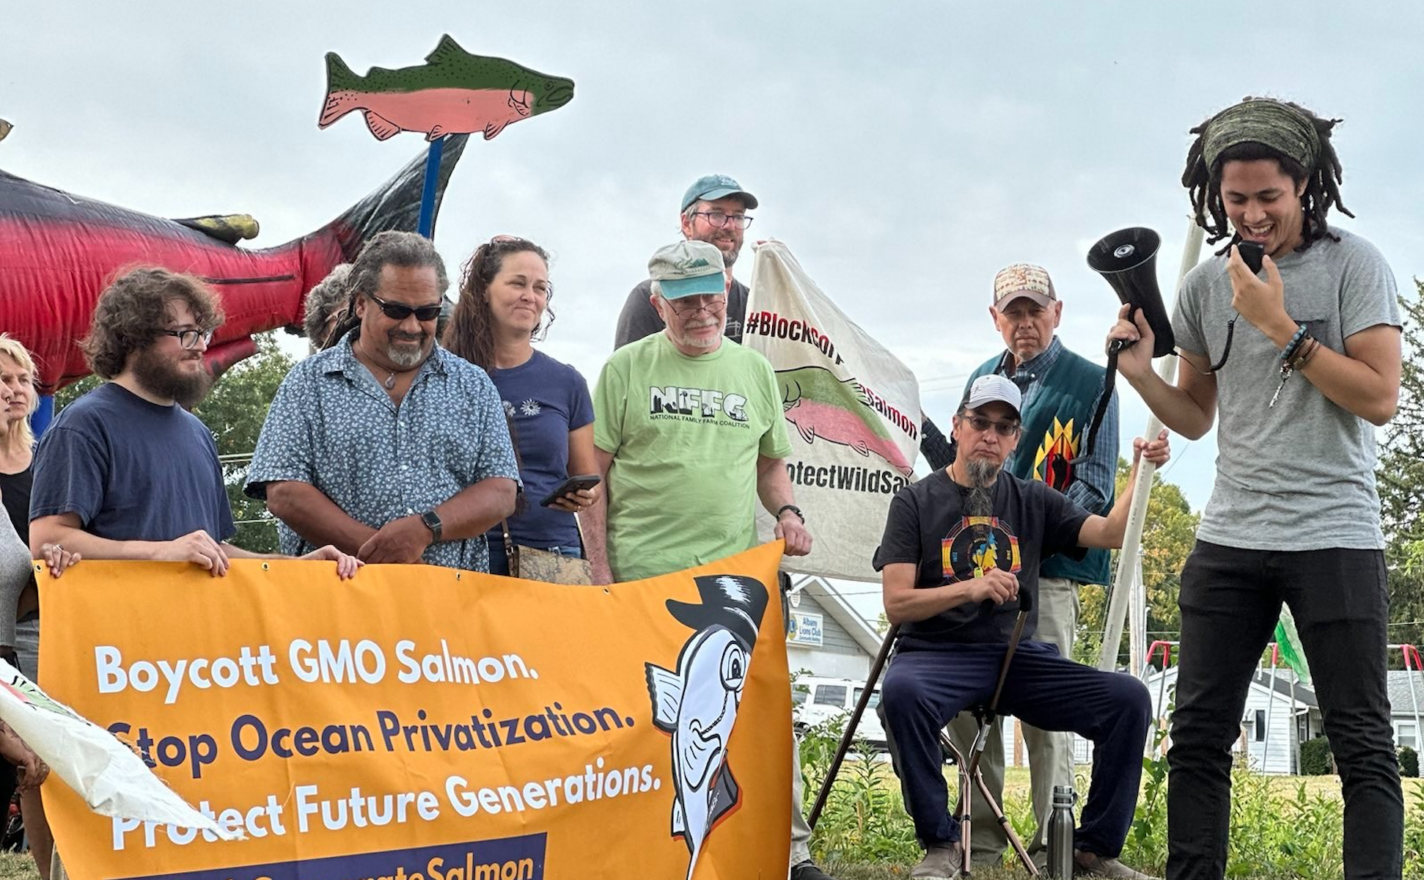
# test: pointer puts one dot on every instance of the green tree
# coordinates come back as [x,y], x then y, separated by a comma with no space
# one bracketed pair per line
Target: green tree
[1400,477]
[234,411]
[1167,538]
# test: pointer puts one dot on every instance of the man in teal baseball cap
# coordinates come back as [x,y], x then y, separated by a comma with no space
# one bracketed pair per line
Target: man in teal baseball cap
[715,187]
[714,210]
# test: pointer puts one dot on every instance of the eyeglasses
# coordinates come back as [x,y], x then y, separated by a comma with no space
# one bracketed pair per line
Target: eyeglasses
[190,338]
[687,310]
[721,218]
[401,311]
[982,424]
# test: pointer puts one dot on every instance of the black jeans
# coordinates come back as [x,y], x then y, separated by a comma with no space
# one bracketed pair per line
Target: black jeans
[1230,601]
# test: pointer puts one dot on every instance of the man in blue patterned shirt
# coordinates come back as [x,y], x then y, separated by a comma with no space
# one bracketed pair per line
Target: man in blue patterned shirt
[385,444]
[1060,394]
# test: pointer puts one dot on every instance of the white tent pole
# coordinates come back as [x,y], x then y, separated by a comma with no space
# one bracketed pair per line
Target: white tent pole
[1270,705]
[1131,552]
[1137,632]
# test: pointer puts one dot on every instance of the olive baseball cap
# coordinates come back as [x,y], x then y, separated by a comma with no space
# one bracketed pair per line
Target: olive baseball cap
[714,187]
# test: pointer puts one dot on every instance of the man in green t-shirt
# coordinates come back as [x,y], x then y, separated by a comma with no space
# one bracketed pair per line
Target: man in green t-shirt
[688,434]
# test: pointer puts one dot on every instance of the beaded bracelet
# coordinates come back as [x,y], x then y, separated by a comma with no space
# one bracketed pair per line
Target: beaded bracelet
[1294,343]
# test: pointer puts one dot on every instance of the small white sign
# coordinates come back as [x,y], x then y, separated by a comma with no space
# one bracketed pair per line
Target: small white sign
[805,629]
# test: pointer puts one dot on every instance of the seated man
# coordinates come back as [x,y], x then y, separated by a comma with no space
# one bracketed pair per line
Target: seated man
[958,547]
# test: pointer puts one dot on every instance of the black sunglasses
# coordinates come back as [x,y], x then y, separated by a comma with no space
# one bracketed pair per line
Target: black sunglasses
[401,311]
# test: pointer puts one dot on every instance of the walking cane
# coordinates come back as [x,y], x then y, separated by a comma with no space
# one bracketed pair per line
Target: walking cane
[851,724]
[971,776]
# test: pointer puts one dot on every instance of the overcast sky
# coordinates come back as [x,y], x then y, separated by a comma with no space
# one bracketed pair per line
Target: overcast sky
[904,151]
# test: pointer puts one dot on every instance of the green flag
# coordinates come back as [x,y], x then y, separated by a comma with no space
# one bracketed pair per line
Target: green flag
[1289,642]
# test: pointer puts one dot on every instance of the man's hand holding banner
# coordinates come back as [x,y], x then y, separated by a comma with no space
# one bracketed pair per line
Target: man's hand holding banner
[423,722]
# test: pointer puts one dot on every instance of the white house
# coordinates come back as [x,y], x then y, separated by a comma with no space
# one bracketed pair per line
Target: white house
[828,637]
[1406,701]
[1280,714]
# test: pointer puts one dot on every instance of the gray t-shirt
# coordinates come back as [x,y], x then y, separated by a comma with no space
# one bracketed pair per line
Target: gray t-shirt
[1299,475]
[15,575]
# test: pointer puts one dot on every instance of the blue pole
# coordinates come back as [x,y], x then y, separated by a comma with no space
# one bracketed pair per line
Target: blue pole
[427,197]
[40,418]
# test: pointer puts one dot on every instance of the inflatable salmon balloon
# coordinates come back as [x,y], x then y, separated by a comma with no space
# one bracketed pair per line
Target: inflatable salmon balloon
[59,251]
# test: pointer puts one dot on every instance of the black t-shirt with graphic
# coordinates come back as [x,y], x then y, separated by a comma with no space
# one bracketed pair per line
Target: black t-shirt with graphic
[927,527]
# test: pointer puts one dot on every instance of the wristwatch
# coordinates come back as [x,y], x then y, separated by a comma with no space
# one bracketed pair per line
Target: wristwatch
[794,509]
[432,522]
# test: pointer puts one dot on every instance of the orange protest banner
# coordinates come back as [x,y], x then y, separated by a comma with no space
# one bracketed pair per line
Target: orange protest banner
[421,723]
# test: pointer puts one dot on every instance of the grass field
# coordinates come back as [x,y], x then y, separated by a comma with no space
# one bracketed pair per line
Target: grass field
[21,867]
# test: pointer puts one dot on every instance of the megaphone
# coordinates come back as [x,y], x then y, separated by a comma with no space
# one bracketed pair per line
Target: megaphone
[1128,260]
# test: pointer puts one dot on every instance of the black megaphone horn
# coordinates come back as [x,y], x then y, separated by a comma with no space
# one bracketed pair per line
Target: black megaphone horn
[1128,260]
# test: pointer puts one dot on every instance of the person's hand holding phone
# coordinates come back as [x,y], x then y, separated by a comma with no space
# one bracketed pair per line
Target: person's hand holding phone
[1262,302]
[574,494]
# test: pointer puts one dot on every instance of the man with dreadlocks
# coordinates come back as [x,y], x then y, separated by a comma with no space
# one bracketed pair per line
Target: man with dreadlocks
[1294,516]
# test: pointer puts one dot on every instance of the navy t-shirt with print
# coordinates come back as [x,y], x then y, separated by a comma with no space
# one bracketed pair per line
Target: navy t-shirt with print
[927,527]
[132,470]
[545,400]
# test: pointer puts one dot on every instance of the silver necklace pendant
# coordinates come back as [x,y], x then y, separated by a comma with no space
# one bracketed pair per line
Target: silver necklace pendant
[390,381]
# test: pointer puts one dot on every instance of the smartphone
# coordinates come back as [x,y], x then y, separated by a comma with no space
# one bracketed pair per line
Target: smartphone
[572,484]
[1251,254]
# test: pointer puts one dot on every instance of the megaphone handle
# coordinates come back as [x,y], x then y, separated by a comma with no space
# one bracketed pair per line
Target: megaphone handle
[1121,344]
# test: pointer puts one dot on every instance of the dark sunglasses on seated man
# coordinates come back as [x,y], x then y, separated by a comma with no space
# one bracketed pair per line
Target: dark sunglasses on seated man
[401,311]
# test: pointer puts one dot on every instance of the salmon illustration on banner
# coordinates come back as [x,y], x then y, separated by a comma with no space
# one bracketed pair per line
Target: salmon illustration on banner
[453,92]
[698,702]
[853,405]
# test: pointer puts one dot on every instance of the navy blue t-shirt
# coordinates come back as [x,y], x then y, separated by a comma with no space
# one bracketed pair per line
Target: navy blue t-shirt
[132,470]
[927,527]
[545,400]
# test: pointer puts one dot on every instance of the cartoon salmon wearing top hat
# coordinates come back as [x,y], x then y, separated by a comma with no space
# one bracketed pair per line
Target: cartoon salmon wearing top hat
[697,704]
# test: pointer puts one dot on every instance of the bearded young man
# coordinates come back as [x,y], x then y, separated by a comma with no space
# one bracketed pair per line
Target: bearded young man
[1294,516]
[126,472]
[958,548]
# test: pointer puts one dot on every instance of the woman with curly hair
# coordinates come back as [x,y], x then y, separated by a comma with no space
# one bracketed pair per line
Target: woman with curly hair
[503,308]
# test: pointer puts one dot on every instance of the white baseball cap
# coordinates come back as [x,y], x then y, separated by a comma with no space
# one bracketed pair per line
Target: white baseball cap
[994,388]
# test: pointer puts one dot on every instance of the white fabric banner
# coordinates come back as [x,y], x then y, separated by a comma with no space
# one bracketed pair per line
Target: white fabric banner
[110,778]
[852,412]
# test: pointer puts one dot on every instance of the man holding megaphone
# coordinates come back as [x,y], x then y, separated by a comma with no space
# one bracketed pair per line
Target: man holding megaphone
[1294,515]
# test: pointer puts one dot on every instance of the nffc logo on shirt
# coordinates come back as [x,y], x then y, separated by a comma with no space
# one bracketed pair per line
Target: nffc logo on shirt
[699,404]
[977,544]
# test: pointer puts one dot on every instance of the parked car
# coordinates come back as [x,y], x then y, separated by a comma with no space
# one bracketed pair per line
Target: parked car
[817,699]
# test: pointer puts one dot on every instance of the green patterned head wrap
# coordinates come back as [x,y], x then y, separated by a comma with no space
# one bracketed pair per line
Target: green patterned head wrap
[1263,121]
[1297,137]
